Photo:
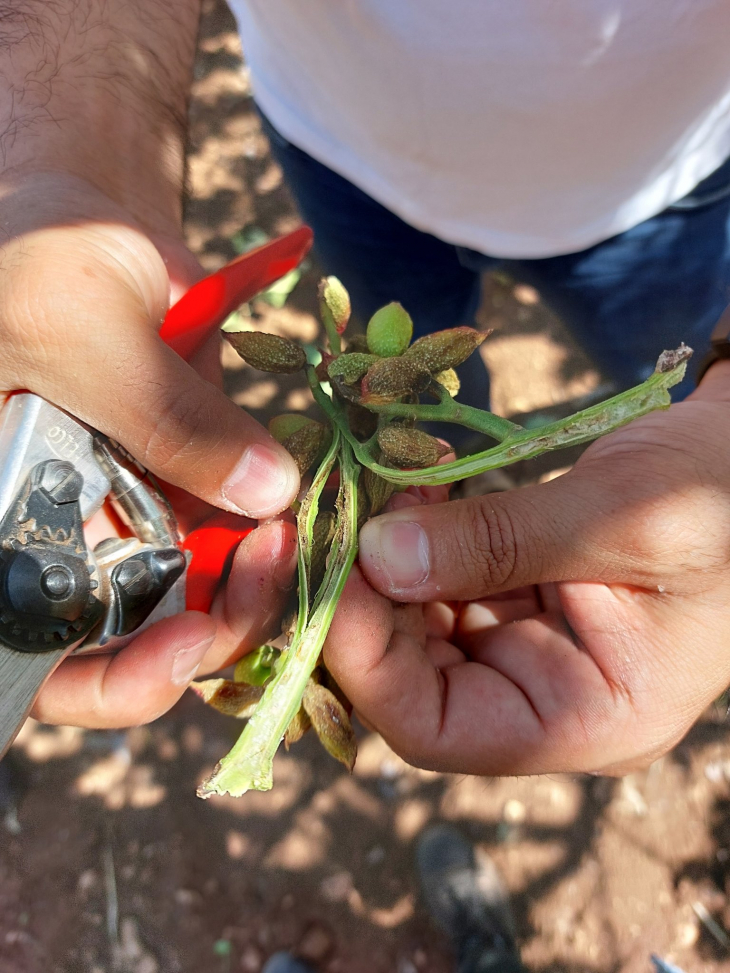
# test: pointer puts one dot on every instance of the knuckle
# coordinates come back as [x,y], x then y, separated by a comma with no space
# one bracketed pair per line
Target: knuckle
[493,552]
[180,424]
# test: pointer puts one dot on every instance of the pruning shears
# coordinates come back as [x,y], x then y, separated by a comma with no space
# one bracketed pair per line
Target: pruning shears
[58,597]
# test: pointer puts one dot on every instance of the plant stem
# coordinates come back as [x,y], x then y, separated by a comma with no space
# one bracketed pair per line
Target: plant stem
[579,428]
[249,765]
[305,527]
[448,410]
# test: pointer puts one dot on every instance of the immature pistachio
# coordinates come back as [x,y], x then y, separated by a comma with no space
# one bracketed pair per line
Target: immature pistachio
[389,379]
[410,448]
[449,380]
[390,330]
[331,723]
[445,349]
[350,367]
[298,726]
[231,698]
[361,421]
[285,425]
[379,491]
[255,668]
[334,303]
[302,437]
[324,676]
[268,352]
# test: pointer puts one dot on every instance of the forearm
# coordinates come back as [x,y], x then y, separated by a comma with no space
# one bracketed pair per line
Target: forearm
[98,89]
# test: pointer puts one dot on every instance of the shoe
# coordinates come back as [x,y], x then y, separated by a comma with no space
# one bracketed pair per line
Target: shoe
[468,901]
[286,963]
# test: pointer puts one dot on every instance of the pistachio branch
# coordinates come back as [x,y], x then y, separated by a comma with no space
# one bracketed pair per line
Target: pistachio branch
[449,410]
[386,377]
[581,427]
[249,765]
[305,527]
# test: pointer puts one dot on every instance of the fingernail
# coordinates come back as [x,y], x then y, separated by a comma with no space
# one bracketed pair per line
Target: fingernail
[396,549]
[186,662]
[281,540]
[263,483]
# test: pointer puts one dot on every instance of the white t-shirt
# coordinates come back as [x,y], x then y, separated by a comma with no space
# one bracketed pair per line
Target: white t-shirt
[520,128]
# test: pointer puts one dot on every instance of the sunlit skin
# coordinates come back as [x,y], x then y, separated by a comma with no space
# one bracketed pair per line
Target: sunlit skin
[602,666]
[592,624]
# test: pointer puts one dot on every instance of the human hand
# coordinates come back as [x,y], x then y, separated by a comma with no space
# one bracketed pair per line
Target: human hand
[83,291]
[598,612]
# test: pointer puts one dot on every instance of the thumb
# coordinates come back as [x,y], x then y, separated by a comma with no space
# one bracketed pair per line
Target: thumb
[467,549]
[93,349]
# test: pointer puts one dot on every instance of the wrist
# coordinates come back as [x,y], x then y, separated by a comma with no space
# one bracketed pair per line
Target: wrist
[39,199]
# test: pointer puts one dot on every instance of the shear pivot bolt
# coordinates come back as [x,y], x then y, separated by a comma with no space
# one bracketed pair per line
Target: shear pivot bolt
[57,582]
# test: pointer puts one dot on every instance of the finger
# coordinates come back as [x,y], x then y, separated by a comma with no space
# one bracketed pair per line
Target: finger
[463,718]
[531,703]
[249,608]
[96,318]
[470,549]
[135,686]
[440,619]
[477,616]
[442,653]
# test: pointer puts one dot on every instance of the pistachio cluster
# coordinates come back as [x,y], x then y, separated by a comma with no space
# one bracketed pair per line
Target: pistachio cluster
[372,395]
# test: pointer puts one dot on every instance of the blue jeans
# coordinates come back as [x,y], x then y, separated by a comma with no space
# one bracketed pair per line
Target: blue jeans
[626,299]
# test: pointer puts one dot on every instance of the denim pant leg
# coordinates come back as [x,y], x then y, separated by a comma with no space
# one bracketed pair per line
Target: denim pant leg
[665,281]
[380,258]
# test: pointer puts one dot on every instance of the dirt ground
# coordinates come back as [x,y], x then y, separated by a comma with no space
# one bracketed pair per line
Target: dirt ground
[110,864]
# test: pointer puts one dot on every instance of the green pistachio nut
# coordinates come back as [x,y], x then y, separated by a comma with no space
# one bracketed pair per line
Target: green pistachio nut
[445,349]
[228,697]
[301,436]
[334,303]
[255,668]
[389,379]
[285,425]
[350,367]
[410,448]
[390,331]
[268,352]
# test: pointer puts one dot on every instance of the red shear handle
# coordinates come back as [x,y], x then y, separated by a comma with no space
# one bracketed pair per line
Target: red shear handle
[187,326]
[212,546]
[209,302]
